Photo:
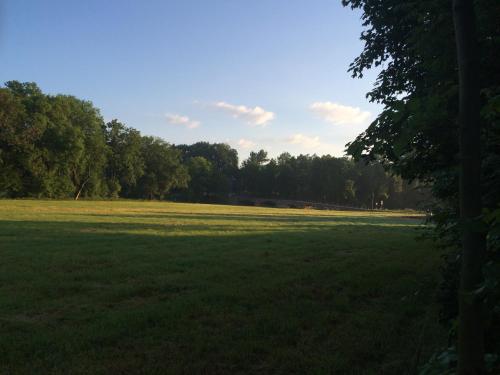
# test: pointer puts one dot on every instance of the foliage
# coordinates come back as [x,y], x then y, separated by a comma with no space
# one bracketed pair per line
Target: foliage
[51,146]
[412,45]
[327,179]
[201,173]
[125,159]
[163,170]
[60,147]
[223,167]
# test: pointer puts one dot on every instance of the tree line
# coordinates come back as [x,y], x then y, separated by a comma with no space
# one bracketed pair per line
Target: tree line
[327,179]
[59,146]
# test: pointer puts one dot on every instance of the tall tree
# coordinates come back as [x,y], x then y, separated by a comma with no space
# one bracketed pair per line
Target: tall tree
[415,44]
[251,172]
[16,140]
[163,169]
[87,172]
[200,174]
[24,121]
[471,330]
[224,162]
[125,160]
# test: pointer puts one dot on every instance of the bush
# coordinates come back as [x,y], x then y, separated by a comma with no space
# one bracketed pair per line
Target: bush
[246,202]
[268,203]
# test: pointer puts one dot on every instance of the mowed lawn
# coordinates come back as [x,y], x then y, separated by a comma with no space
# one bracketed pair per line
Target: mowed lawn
[131,287]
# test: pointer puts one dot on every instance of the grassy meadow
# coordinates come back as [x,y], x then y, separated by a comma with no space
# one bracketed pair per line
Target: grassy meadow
[130,287]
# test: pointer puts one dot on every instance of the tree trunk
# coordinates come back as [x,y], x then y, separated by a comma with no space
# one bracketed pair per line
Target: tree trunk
[81,189]
[78,194]
[470,331]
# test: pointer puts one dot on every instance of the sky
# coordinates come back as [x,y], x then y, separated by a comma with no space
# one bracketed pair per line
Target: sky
[256,74]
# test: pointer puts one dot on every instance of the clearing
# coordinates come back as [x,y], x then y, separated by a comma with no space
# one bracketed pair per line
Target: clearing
[130,287]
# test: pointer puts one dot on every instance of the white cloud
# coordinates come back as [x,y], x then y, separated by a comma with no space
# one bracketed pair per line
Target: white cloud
[304,141]
[182,120]
[245,143]
[254,116]
[314,145]
[339,114]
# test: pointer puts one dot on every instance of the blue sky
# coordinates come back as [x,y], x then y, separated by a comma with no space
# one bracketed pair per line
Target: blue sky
[256,74]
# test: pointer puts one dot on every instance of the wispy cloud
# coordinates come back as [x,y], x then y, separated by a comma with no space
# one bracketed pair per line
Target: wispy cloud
[339,114]
[182,120]
[246,144]
[257,116]
[297,143]
[314,144]
[304,141]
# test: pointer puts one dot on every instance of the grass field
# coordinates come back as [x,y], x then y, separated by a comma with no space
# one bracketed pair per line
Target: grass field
[162,288]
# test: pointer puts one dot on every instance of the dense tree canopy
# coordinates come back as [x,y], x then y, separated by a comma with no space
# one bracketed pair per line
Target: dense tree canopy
[163,169]
[326,179]
[416,133]
[51,146]
[125,158]
[413,45]
[60,147]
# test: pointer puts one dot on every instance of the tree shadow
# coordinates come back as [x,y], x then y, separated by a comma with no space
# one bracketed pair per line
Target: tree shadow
[367,220]
[165,298]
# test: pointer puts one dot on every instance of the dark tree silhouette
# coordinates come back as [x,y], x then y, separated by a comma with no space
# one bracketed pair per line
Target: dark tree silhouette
[471,332]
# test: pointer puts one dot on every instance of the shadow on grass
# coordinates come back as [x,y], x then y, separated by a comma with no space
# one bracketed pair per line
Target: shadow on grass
[112,298]
[285,219]
[222,225]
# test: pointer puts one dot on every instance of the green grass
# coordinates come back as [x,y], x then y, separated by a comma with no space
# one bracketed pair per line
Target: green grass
[132,287]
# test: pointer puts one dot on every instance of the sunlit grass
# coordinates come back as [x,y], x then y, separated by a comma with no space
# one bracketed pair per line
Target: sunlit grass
[153,287]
